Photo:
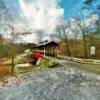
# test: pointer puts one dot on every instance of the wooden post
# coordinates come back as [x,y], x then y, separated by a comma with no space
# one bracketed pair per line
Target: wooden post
[44,51]
[54,51]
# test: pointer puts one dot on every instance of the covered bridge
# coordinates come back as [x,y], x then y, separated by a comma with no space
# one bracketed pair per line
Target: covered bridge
[49,48]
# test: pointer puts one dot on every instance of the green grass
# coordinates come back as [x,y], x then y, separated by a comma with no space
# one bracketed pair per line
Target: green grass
[87,67]
[50,63]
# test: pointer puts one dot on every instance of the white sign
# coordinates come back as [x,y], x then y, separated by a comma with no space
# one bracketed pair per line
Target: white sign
[93,49]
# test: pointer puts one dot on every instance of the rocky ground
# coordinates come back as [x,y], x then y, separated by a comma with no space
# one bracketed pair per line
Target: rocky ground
[61,83]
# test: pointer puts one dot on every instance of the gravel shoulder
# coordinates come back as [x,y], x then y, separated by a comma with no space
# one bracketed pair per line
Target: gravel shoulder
[94,68]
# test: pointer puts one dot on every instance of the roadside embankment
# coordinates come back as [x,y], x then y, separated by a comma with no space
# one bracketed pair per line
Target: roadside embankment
[89,65]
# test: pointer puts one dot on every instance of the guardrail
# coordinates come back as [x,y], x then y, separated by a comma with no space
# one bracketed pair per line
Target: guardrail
[79,60]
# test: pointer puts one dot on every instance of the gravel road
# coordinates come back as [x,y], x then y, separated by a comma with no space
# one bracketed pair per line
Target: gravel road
[61,83]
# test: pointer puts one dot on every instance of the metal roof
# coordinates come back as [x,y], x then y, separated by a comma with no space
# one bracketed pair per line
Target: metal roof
[46,44]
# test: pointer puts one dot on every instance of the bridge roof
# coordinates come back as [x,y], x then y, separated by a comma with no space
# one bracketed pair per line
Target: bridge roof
[46,44]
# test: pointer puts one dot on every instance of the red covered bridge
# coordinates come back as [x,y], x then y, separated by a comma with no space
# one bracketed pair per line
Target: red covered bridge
[49,48]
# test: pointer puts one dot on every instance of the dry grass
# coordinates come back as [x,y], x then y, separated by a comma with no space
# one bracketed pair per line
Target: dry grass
[4,70]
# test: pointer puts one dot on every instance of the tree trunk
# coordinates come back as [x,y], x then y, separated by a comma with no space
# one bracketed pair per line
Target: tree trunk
[67,44]
[85,48]
[84,40]
[12,69]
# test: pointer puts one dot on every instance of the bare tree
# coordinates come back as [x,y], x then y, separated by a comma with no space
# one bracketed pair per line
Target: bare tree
[65,38]
[12,40]
[14,36]
[95,10]
[83,30]
[40,34]
[74,28]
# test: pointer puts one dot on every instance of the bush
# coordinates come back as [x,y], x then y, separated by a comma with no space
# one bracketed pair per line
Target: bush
[49,63]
